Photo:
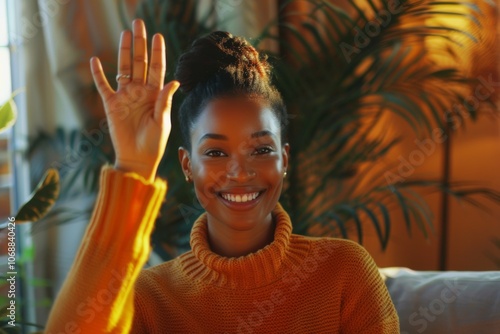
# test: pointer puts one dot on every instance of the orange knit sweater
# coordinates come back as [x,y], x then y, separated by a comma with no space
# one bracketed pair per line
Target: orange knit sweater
[296,284]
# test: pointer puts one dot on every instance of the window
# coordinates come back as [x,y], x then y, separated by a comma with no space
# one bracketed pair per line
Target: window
[5,92]
[14,188]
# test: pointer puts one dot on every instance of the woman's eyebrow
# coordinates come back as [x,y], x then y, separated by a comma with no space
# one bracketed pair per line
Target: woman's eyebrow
[212,136]
[262,133]
[217,136]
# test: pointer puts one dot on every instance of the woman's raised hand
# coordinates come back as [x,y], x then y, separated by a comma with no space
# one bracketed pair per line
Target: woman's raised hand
[138,112]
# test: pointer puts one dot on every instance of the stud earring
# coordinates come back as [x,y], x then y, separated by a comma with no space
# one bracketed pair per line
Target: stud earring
[187,178]
[284,174]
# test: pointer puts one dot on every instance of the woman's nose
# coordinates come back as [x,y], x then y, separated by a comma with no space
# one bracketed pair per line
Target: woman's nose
[240,170]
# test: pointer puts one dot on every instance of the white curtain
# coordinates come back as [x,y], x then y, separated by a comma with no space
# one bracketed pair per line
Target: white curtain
[56,40]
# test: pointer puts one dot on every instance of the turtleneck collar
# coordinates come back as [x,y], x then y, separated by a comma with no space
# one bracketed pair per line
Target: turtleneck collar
[251,270]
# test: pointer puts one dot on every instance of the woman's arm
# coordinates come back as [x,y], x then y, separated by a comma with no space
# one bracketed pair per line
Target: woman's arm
[97,296]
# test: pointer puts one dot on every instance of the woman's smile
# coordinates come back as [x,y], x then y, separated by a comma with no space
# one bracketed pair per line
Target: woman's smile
[241,199]
[237,162]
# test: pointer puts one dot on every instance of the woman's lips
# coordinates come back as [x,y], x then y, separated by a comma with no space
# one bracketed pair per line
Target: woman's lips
[241,201]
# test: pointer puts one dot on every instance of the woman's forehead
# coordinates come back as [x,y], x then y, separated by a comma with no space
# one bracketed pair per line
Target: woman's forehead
[236,116]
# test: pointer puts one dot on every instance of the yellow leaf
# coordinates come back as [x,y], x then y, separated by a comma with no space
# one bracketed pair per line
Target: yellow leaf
[42,199]
[7,115]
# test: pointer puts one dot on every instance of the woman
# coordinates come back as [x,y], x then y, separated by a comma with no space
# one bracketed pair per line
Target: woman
[245,272]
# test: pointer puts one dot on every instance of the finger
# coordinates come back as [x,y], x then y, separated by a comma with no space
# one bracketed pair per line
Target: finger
[124,58]
[100,80]
[140,62]
[157,66]
[164,102]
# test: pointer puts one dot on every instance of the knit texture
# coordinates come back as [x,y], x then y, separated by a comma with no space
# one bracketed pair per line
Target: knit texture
[296,284]
[97,295]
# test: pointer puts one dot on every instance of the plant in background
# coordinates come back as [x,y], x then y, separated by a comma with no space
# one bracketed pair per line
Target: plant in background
[344,73]
[8,114]
[79,172]
[38,205]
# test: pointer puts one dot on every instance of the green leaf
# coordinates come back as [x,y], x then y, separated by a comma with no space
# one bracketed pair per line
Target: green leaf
[7,115]
[42,199]
[27,255]
[3,311]
[39,282]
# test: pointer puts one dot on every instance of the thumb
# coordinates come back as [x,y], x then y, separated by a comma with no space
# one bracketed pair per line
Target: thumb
[164,102]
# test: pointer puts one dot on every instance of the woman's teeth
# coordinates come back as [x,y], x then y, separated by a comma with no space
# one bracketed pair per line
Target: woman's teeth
[240,198]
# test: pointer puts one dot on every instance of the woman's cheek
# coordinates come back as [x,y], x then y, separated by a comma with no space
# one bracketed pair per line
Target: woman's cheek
[209,178]
[271,167]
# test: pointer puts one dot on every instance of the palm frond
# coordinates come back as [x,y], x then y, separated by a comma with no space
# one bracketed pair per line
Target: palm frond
[334,79]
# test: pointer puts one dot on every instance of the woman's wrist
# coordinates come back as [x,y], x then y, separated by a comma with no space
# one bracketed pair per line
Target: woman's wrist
[148,172]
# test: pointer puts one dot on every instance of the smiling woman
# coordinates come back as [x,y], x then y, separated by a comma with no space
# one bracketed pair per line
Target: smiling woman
[249,163]
[246,272]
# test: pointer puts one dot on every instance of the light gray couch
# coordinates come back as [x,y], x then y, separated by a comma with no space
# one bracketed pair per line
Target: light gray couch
[435,302]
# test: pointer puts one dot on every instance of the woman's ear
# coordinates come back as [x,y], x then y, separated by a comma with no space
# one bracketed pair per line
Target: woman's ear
[285,152]
[185,161]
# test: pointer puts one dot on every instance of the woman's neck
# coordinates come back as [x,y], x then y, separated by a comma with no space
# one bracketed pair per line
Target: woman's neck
[228,242]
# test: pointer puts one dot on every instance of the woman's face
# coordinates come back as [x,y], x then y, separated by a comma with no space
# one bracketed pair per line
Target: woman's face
[237,161]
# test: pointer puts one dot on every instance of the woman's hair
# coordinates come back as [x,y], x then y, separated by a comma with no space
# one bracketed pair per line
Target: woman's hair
[222,65]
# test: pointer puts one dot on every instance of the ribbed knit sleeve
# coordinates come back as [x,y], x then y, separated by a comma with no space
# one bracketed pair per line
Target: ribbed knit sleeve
[97,295]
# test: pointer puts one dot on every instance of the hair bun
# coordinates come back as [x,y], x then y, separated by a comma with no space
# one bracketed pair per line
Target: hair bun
[220,52]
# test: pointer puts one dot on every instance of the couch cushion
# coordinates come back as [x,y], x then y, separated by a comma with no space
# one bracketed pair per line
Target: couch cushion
[445,302]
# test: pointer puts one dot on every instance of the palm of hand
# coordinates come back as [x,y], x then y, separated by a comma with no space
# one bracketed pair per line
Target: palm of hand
[138,113]
[133,128]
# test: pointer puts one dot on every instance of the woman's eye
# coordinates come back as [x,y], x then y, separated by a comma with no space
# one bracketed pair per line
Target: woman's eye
[215,153]
[263,150]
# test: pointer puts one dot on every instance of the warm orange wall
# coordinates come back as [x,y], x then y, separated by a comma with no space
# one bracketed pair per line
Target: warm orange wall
[475,156]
